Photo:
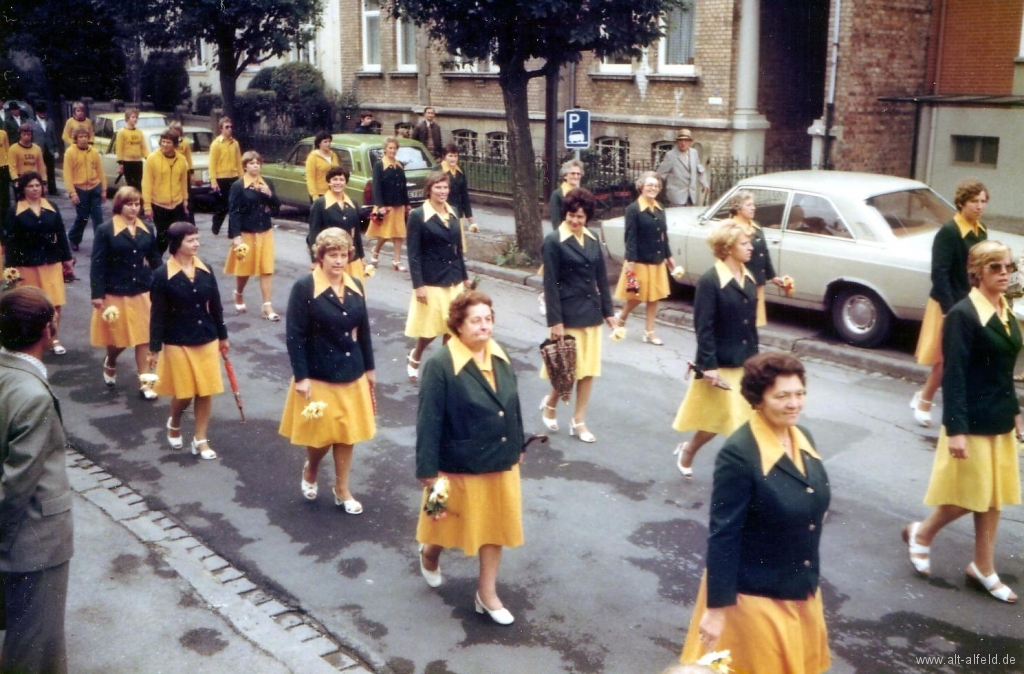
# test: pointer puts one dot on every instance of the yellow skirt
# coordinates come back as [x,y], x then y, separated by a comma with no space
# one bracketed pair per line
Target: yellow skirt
[712,409]
[987,479]
[130,329]
[653,280]
[929,343]
[765,635]
[356,269]
[49,277]
[431,319]
[260,259]
[762,313]
[348,418]
[483,509]
[588,352]
[393,226]
[189,371]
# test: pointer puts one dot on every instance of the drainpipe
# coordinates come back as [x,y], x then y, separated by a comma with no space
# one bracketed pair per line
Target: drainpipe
[831,102]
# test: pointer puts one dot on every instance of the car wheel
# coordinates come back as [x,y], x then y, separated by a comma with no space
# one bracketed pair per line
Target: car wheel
[860,317]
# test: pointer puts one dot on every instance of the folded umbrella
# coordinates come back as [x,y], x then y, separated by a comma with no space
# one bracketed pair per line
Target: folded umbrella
[559,356]
[233,380]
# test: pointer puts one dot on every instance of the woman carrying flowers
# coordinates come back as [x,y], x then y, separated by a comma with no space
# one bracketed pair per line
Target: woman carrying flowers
[469,433]
[123,259]
[329,407]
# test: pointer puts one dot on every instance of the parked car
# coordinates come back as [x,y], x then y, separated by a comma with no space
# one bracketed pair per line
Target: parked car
[857,245]
[200,139]
[358,153]
[107,124]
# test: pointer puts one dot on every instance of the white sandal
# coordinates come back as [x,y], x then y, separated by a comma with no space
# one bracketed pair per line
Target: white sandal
[412,367]
[923,565]
[309,489]
[175,443]
[271,315]
[988,584]
[551,424]
[207,453]
[584,435]
[109,379]
[678,452]
[239,306]
[651,338]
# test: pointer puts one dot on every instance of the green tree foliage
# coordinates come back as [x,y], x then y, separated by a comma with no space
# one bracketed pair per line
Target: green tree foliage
[243,33]
[544,34]
[165,80]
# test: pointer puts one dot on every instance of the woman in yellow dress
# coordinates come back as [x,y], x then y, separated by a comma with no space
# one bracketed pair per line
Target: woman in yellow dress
[123,259]
[648,256]
[251,203]
[331,352]
[976,465]
[724,316]
[186,334]
[318,163]
[437,268]
[390,205]
[469,430]
[742,208]
[35,243]
[760,598]
[578,301]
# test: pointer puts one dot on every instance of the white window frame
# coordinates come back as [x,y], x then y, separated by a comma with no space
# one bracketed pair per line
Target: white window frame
[688,69]
[468,142]
[615,68]
[496,140]
[197,60]
[367,16]
[462,64]
[614,148]
[402,66]
[659,149]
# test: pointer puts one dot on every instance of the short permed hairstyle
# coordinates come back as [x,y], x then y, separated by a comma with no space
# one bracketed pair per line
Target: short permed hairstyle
[577,198]
[176,234]
[337,171]
[724,236]
[967,189]
[332,238]
[460,306]
[762,369]
[125,195]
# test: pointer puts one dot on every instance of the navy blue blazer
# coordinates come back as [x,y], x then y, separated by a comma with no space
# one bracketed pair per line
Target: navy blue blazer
[646,235]
[389,186]
[328,336]
[725,321]
[458,195]
[435,250]
[184,312]
[765,529]
[339,214]
[122,264]
[949,264]
[575,281]
[32,240]
[250,210]
[760,264]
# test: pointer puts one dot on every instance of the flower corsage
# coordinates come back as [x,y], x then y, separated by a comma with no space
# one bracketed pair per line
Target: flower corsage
[678,273]
[149,379]
[618,334]
[437,500]
[111,314]
[717,661]
[12,277]
[788,286]
[241,251]
[314,410]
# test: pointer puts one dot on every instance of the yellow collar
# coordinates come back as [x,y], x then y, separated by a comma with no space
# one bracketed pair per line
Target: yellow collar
[985,309]
[565,233]
[388,163]
[749,226]
[331,157]
[448,168]
[429,212]
[174,267]
[566,188]
[462,355]
[330,200]
[120,224]
[23,206]
[222,139]
[769,447]
[725,274]
[648,204]
[966,228]
[248,181]
[321,283]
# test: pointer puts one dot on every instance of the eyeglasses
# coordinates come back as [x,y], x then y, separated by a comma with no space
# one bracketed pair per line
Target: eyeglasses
[575,173]
[227,126]
[998,267]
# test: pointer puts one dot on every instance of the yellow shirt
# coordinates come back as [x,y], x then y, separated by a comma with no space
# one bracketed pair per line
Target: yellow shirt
[82,169]
[225,158]
[316,173]
[966,227]
[70,126]
[185,150]
[164,181]
[4,148]
[26,159]
[128,146]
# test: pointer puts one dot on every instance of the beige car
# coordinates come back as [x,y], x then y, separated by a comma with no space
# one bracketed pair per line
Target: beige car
[857,245]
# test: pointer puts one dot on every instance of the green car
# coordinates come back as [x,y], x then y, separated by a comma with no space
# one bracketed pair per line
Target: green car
[358,153]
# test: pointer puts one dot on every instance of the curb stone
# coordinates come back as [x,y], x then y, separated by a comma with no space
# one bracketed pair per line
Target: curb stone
[289,636]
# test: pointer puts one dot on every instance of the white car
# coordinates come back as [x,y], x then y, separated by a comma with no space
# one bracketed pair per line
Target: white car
[857,245]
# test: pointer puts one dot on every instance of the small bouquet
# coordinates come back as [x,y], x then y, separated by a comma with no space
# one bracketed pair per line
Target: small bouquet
[474,228]
[632,285]
[678,272]
[314,410]
[111,315]
[788,286]
[241,251]
[369,270]
[618,334]
[437,500]
[149,379]
[12,277]
[378,216]
[717,661]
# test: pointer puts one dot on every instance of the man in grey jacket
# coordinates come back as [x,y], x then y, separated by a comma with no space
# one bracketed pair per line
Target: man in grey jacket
[46,136]
[684,176]
[35,496]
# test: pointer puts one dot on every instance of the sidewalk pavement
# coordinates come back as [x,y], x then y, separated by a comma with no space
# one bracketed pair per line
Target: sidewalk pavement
[176,606]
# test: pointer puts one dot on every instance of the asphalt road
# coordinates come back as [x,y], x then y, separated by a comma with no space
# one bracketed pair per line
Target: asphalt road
[615,538]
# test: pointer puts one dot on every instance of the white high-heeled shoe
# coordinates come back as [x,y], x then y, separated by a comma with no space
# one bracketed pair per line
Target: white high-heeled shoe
[973,578]
[922,417]
[922,565]
[502,616]
[309,489]
[678,453]
[551,424]
[584,435]
[175,443]
[433,578]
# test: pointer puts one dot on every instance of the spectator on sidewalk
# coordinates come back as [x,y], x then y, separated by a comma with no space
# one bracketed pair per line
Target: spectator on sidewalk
[86,185]
[686,181]
[36,530]
[13,121]
[26,157]
[165,188]
[78,119]
[225,169]
[365,123]
[44,134]
[129,150]
[429,133]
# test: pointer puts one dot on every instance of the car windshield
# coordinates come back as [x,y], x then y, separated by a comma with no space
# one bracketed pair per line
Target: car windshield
[412,157]
[199,140]
[143,123]
[912,211]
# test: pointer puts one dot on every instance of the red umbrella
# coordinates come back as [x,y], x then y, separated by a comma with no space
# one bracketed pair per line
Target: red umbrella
[230,369]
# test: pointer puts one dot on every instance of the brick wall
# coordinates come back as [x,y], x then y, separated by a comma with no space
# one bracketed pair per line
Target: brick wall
[979,41]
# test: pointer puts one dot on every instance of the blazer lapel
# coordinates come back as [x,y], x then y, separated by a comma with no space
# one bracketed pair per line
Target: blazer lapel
[786,465]
[478,376]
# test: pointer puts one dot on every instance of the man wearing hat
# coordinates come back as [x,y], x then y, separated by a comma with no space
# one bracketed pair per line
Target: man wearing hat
[684,176]
[13,122]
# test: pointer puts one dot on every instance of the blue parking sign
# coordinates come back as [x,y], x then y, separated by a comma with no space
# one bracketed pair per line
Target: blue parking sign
[577,129]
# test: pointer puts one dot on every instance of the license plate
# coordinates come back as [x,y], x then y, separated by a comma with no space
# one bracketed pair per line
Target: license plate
[415,194]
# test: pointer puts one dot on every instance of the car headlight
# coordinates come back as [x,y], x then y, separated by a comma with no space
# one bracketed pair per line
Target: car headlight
[206,177]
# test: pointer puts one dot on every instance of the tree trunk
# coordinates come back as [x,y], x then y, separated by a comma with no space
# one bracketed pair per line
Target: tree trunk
[227,68]
[525,203]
